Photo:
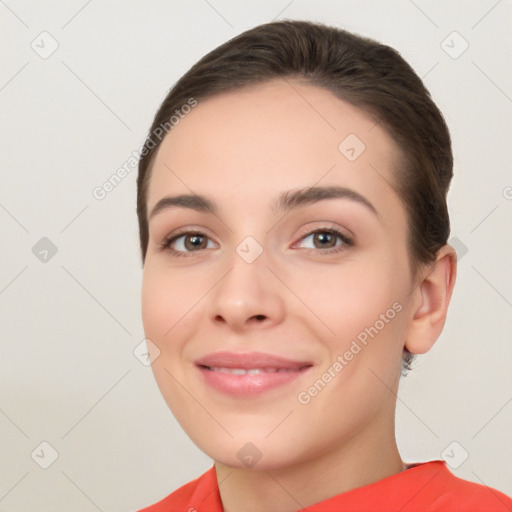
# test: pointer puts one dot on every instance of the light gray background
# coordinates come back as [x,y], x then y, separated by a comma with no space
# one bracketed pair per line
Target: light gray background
[69,325]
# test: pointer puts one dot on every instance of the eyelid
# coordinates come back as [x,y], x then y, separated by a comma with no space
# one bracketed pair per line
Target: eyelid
[347,240]
[340,231]
[180,232]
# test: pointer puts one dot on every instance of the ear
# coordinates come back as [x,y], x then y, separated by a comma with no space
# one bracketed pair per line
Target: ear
[432,297]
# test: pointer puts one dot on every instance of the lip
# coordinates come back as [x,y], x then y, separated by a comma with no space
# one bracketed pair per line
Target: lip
[224,372]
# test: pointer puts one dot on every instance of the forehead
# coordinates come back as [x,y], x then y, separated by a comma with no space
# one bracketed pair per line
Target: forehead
[274,136]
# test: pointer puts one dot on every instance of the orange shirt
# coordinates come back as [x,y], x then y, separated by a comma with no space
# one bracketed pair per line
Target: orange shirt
[428,486]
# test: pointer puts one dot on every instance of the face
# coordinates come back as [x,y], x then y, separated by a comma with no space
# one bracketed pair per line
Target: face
[276,280]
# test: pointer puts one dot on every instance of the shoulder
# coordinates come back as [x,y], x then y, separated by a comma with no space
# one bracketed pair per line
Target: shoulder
[451,493]
[188,497]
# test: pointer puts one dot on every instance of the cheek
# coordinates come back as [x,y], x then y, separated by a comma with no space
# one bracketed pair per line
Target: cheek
[350,297]
[172,304]
[165,303]
[155,302]
[361,309]
[163,300]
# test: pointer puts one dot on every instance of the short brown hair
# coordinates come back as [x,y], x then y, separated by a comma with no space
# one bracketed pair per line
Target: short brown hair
[363,72]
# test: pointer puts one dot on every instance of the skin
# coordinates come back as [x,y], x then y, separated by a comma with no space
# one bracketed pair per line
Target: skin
[241,150]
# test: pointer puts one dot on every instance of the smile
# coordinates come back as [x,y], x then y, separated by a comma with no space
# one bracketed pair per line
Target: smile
[251,371]
[248,375]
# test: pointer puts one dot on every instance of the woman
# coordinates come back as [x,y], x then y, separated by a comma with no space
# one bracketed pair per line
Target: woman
[293,224]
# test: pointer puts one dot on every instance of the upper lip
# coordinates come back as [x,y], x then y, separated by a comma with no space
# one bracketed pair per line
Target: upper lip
[249,360]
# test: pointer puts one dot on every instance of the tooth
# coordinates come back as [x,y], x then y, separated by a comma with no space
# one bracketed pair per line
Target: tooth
[250,371]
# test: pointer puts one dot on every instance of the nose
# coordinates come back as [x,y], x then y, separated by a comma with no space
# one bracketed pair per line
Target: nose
[247,297]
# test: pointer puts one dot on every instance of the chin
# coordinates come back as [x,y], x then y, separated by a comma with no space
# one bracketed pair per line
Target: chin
[253,452]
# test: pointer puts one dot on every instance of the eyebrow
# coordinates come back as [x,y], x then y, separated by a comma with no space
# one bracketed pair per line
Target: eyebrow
[287,201]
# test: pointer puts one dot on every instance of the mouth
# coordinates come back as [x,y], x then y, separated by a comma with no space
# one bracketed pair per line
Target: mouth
[250,374]
[250,371]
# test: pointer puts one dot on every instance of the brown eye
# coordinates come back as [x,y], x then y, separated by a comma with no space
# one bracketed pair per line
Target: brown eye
[193,242]
[324,239]
[188,242]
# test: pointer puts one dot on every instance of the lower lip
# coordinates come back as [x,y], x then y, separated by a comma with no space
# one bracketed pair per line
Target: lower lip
[248,385]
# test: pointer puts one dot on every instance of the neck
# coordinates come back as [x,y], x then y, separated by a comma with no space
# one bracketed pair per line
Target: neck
[367,457]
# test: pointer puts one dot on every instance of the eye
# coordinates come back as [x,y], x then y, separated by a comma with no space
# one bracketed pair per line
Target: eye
[326,240]
[186,242]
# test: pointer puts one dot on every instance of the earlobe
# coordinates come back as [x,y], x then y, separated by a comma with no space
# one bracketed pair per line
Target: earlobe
[433,296]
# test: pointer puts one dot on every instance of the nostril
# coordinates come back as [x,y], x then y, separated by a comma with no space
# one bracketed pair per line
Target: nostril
[260,317]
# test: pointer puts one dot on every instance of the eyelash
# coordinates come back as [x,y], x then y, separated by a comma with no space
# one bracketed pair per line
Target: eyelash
[166,244]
